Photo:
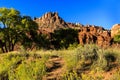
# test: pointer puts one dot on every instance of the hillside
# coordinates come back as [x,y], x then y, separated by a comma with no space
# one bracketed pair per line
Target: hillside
[82,63]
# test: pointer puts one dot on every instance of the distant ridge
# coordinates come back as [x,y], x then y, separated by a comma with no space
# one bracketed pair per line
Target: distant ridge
[86,33]
[50,22]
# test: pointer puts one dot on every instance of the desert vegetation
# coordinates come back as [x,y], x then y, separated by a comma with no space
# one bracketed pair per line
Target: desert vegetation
[117,38]
[84,62]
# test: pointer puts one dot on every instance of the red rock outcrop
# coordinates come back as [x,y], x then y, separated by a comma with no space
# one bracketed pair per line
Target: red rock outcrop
[87,34]
[94,34]
[115,29]
[50,22]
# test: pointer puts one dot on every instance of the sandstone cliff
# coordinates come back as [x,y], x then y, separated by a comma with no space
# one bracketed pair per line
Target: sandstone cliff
[87,34]
[50,22]
[96,35]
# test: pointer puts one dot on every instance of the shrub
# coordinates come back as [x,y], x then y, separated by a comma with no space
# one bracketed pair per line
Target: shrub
[117,38]
[79,64]
[22,67]
[87,54]
[71,76]
[73,46]
[31,71]
[62,38]
[100,64]
[91,77]
[70,60]
[111,58]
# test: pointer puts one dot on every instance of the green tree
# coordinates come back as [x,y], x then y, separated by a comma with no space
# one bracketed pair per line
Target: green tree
[29,32]
[33,38]
[15,28]
[62,38]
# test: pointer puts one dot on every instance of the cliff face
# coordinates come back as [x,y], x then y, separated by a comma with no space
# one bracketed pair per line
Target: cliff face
[50,22]
[94,34]
[87,34]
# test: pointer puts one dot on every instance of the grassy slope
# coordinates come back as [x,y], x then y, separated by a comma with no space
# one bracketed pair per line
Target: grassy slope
[86,63]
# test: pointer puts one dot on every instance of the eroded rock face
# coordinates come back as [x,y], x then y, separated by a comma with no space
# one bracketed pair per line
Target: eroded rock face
[94,34]
[115,29]
[50,22]
[87,34]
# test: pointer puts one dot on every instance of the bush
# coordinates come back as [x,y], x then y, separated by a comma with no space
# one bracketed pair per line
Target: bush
[73,46]
[62,38]
[70,60]
[117,38]
[30,71]
[111,58]
[71,76]
[107,59]
[22,67]
[87,54]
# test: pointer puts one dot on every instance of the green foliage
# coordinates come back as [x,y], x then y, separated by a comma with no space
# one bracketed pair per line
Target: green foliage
[42,41]
[101,63]
[86,55]
[91,77]
[73,46]
[62,38]
[9,62]
[117,38]
[70,60]
[30,70]
[15,28]
[87,52]
[112,56]
[9,18]
[91,57]
[87,62]
[71,76]
[22,67]
[107,59]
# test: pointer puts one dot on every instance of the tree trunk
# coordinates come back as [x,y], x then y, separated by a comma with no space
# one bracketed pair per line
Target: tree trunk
[2,46]
[9,46]
[12,47]
[3,50]
[6,50]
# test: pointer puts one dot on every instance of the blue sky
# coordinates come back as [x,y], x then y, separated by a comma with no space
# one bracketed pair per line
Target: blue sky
[103,13]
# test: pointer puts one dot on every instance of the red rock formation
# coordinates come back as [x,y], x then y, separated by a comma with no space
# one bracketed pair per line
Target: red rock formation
[50,22]
[87,34]
[96,35]
[115,29]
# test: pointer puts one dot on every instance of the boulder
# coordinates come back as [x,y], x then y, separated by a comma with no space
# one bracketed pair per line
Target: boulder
[115,29]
